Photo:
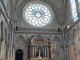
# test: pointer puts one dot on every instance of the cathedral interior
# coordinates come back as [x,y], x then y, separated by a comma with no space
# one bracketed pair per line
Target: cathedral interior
[39,29]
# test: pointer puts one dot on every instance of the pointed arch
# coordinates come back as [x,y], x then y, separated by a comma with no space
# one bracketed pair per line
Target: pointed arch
[56,46]
[19,55]
[53,6]
[20,41]
[68,37]
[56,39]
[56,42]
[21,37]
[2,30]
[6,35]
[73,33]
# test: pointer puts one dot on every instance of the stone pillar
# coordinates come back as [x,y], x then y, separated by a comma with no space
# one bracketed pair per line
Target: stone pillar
[45,51]
[0,48]
[15,24]
[67,53]
[26,52]
[30,52]
[13,53]
[0,39]
[48,51]
[6,51]
[33,51]
[9,53]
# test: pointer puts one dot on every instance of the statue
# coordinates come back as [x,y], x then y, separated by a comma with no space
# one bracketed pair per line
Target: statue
[39,52]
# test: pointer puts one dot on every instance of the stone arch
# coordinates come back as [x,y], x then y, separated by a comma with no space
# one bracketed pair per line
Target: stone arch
[68,37]
[19,49]
[19,54]
[67,44]
[56,42]
[56,47]
[56,39]
[73,38]
[20,44]
[69,41]
[74,34]
[2,31]
[21,37]
[2,40]
[20,41]
[6,35]
[53,6]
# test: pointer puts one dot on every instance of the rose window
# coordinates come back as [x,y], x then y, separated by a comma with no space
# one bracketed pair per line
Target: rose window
[37,15]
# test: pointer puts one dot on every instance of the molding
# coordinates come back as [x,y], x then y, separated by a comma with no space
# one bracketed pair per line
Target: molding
[37,30]
[53,6]
[21,32]
[5,16]
[78,20]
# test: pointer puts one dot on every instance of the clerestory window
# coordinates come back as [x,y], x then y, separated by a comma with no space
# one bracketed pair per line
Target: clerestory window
[74,9]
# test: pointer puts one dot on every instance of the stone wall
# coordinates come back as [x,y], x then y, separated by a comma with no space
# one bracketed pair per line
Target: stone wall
[68,12]
[72,36]
[5,35]
[21,41]
[55,5]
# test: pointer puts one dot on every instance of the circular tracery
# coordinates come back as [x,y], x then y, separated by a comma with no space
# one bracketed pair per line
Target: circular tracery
[37,15]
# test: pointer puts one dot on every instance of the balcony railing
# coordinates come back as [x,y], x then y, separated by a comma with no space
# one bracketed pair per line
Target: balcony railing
[37,30]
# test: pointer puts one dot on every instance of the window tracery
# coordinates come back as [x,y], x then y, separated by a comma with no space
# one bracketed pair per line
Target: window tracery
[37,15]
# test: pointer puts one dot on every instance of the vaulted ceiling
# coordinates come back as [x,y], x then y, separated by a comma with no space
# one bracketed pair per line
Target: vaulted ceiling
[56,5]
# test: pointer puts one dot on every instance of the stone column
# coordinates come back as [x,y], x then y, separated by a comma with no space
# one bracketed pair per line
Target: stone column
[45,51]
[13,52]
[0,48]
[6,52]
[27,52]
[33,51]
[9,53]
[48,51]
[0,40]
[30,52]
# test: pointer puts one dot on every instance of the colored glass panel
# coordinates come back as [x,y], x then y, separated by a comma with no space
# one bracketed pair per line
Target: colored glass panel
[74,10]
[37,15]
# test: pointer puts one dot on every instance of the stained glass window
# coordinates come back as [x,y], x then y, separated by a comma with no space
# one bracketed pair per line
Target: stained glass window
[78,0]
[37,15]
[74,10]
